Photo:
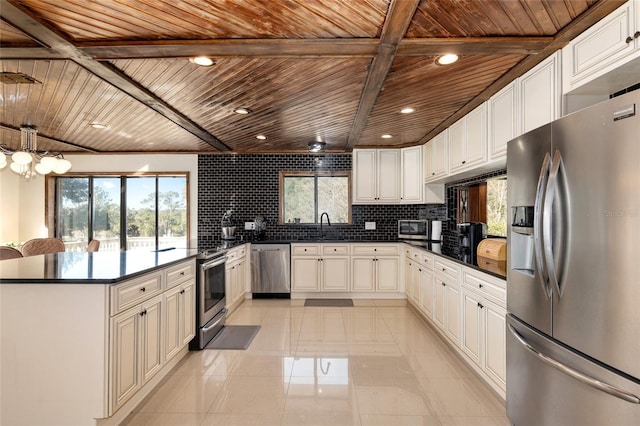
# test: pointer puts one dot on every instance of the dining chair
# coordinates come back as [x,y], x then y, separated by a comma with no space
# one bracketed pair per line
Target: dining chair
[42,246]
[94,245]
[7,252]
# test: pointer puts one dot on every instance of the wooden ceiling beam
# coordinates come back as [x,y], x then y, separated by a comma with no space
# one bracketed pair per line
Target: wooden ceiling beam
[589,17]
[395,27]
[51,138]
[473,46]
[47,37]
[290,48]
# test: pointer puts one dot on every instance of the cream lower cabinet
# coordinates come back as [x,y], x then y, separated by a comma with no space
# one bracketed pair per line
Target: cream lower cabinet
[235,276]
[136,348]
[179,304]
[305,274]
[484,323]
[426,290]
[320,267]
[446,298]
[376,268]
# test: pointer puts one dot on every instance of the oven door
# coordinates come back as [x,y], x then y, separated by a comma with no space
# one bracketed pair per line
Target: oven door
[211,289]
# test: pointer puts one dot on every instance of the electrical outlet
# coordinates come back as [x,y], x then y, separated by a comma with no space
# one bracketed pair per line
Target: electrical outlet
[371,226]
[249,226]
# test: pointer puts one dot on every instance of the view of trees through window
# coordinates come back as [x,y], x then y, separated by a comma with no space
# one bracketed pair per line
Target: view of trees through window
[92,207]
[304,197]
[497,207]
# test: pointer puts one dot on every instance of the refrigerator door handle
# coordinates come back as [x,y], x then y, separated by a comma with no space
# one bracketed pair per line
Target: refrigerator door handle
[547,220]
[587,380]
[537,225]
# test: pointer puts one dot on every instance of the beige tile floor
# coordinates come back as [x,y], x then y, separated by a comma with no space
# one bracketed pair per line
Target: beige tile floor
[373,364]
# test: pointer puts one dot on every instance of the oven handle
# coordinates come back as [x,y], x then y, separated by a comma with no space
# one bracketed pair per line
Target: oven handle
[213,263]
[223,312]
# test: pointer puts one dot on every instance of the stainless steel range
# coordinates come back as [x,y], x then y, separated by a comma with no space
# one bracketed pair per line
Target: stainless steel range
[210,297]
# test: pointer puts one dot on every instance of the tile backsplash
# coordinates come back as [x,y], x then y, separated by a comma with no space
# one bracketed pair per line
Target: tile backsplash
[247,184]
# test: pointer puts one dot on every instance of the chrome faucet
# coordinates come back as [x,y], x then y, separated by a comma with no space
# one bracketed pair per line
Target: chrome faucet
[328,223]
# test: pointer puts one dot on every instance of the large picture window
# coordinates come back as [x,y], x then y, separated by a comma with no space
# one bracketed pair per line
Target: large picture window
[140,212]
[304,196]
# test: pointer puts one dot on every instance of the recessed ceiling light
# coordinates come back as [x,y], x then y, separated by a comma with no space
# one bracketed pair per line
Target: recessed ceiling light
[447,59]
[202,61]
[242,111]
[261,137]
[98,125]
[316,146]
[386,136]
[407,110]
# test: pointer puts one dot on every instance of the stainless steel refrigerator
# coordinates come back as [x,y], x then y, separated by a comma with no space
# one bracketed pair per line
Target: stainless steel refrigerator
[573,269]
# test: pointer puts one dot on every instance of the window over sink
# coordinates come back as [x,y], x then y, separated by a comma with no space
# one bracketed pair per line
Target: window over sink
[304,196]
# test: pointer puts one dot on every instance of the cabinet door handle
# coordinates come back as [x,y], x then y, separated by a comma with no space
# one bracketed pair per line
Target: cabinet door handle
[444,285]
[143,289]
[636,34]
[433,173]
[480,305]
[182,273]
[464,161]
[479,285]
[182,292]
[629,40]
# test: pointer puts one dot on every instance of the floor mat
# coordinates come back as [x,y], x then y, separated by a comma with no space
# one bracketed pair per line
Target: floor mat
[234,337]
[329,302]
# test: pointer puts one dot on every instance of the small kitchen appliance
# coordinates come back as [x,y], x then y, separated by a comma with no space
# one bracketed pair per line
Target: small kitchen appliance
[419,229]
[228,231]
[469,236]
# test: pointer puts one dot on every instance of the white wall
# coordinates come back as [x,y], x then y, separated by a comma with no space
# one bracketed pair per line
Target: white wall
[23,202]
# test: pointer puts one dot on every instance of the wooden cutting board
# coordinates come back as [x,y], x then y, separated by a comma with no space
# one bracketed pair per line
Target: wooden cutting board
[493,248]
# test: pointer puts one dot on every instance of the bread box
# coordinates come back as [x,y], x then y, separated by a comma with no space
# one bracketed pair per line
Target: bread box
[492,255]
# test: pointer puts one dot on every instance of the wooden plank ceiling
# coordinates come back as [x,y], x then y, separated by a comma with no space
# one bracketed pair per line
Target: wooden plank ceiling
[332,70]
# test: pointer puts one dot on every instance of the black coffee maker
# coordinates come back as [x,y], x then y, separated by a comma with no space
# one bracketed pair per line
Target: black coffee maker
[469,236]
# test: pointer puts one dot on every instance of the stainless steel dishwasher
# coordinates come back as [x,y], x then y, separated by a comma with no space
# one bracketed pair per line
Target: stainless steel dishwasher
[270,271]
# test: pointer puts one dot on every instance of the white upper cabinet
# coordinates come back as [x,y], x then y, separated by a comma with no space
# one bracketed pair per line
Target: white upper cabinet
[376,176]
[540,95]
[389,176]
[504,123]
[435,157]
[468,141]
[609,44]
[412,175]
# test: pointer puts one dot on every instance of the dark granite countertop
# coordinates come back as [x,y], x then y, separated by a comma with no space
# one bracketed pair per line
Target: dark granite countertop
[435,248]
[497,272]
[88,268]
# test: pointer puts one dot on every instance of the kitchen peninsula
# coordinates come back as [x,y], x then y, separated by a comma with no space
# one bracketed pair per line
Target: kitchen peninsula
[86,336]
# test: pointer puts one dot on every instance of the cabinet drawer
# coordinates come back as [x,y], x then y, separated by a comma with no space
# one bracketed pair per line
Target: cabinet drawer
[329,249]
[488,289]
[381,250]
[239,252]
[299,249]
[426,261]
[446,269]
[179,273]
[124,296]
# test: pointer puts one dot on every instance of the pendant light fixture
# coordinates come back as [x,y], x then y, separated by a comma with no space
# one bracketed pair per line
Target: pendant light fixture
[27,161]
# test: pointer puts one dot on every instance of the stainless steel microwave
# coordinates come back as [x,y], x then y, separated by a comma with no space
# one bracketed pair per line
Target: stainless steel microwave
[414,229]
[421,230]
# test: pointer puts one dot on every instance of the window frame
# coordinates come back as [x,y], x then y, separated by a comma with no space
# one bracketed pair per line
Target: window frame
[51,194]
[315,174]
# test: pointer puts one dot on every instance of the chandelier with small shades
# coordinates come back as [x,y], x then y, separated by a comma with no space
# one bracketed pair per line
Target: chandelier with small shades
[28,161]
